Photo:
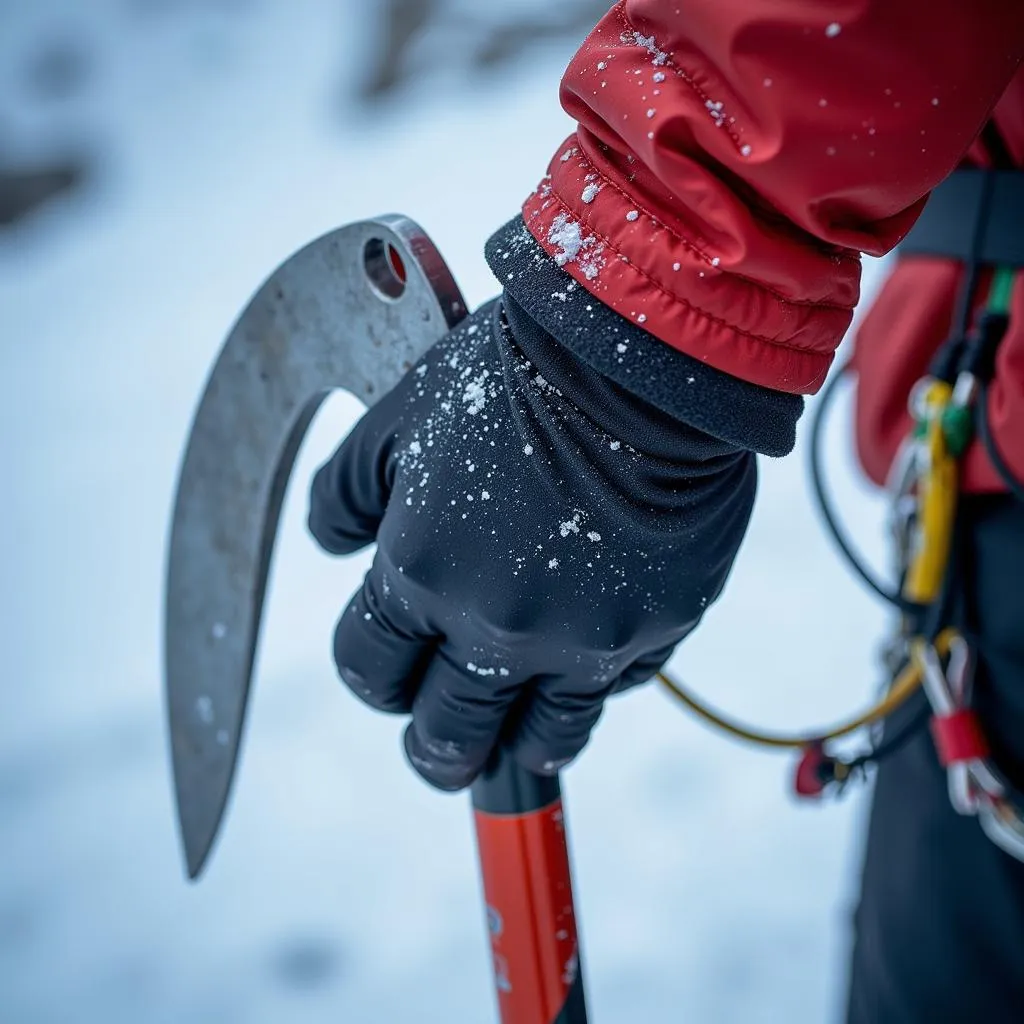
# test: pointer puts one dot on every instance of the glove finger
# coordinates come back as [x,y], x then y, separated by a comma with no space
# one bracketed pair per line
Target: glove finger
[379,656]
[349,493]
[457,717]
[556,723]
[641,670]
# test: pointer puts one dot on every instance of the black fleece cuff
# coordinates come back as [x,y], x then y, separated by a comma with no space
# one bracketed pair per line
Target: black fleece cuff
[733,410]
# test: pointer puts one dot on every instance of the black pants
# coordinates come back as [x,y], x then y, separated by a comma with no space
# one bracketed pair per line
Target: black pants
[940,925]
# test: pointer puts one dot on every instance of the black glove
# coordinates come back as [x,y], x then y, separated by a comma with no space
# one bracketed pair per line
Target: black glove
[544,538]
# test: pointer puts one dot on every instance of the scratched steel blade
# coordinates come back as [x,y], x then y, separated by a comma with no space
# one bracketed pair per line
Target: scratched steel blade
[337,314]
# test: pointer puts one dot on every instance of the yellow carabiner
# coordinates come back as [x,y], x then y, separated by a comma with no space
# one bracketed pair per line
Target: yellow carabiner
[936,501]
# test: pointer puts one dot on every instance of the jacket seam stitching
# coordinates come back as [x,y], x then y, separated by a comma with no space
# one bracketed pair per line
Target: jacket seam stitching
[684,75]
[711,318]
[733,135]
[692,247]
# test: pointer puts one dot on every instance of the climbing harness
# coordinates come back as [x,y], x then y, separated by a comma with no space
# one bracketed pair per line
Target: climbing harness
[949,409]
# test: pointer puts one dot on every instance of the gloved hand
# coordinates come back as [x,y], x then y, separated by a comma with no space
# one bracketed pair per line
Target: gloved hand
[544,538]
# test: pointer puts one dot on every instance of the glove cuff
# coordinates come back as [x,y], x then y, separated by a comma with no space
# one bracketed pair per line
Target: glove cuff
[676,385]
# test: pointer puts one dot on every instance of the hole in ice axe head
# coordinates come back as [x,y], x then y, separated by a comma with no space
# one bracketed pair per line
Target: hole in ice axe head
[384,268]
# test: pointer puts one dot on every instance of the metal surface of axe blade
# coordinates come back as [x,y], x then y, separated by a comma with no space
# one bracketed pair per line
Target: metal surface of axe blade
[354,309]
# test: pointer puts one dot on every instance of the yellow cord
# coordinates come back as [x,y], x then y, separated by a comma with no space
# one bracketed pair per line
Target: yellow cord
[907,682]
[937,504]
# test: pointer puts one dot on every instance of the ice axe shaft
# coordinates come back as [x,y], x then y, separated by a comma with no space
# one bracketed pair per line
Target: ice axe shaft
[353,310]
[527,881]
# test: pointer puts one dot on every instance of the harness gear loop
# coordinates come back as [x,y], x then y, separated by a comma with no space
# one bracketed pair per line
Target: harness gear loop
[925,497]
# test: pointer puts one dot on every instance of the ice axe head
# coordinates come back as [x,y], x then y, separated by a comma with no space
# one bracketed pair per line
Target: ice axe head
[354,309]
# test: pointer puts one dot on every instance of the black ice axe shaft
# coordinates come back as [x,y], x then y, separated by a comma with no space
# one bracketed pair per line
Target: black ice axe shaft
[354,309]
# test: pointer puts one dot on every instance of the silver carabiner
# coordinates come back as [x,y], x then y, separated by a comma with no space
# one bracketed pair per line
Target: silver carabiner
[975,788]
[945,692]
[1003,826]
[900,485]
[933,678]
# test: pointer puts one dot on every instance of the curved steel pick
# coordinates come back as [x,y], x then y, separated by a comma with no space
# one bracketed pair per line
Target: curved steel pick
[354,310]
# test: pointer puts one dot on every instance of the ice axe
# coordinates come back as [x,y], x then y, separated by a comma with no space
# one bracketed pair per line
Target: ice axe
[354,309]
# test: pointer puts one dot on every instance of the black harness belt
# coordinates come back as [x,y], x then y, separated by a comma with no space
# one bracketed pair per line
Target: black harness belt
[976,216]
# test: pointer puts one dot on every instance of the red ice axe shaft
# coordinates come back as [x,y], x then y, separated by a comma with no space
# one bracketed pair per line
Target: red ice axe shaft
[527,881]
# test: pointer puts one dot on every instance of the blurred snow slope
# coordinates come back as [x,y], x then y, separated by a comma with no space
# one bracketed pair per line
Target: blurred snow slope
[343,890]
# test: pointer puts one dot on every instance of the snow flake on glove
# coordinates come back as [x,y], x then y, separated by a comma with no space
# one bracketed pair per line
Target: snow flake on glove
[475,395]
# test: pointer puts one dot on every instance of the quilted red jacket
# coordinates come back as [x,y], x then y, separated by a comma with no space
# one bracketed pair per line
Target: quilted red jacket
[733,159]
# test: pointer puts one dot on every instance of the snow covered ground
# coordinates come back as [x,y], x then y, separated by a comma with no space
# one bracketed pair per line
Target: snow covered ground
[343,889]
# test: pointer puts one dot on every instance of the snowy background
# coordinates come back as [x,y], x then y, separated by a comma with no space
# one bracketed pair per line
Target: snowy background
[157,159]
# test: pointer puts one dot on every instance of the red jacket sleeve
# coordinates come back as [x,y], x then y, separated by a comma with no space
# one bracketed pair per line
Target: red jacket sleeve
[733,158]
